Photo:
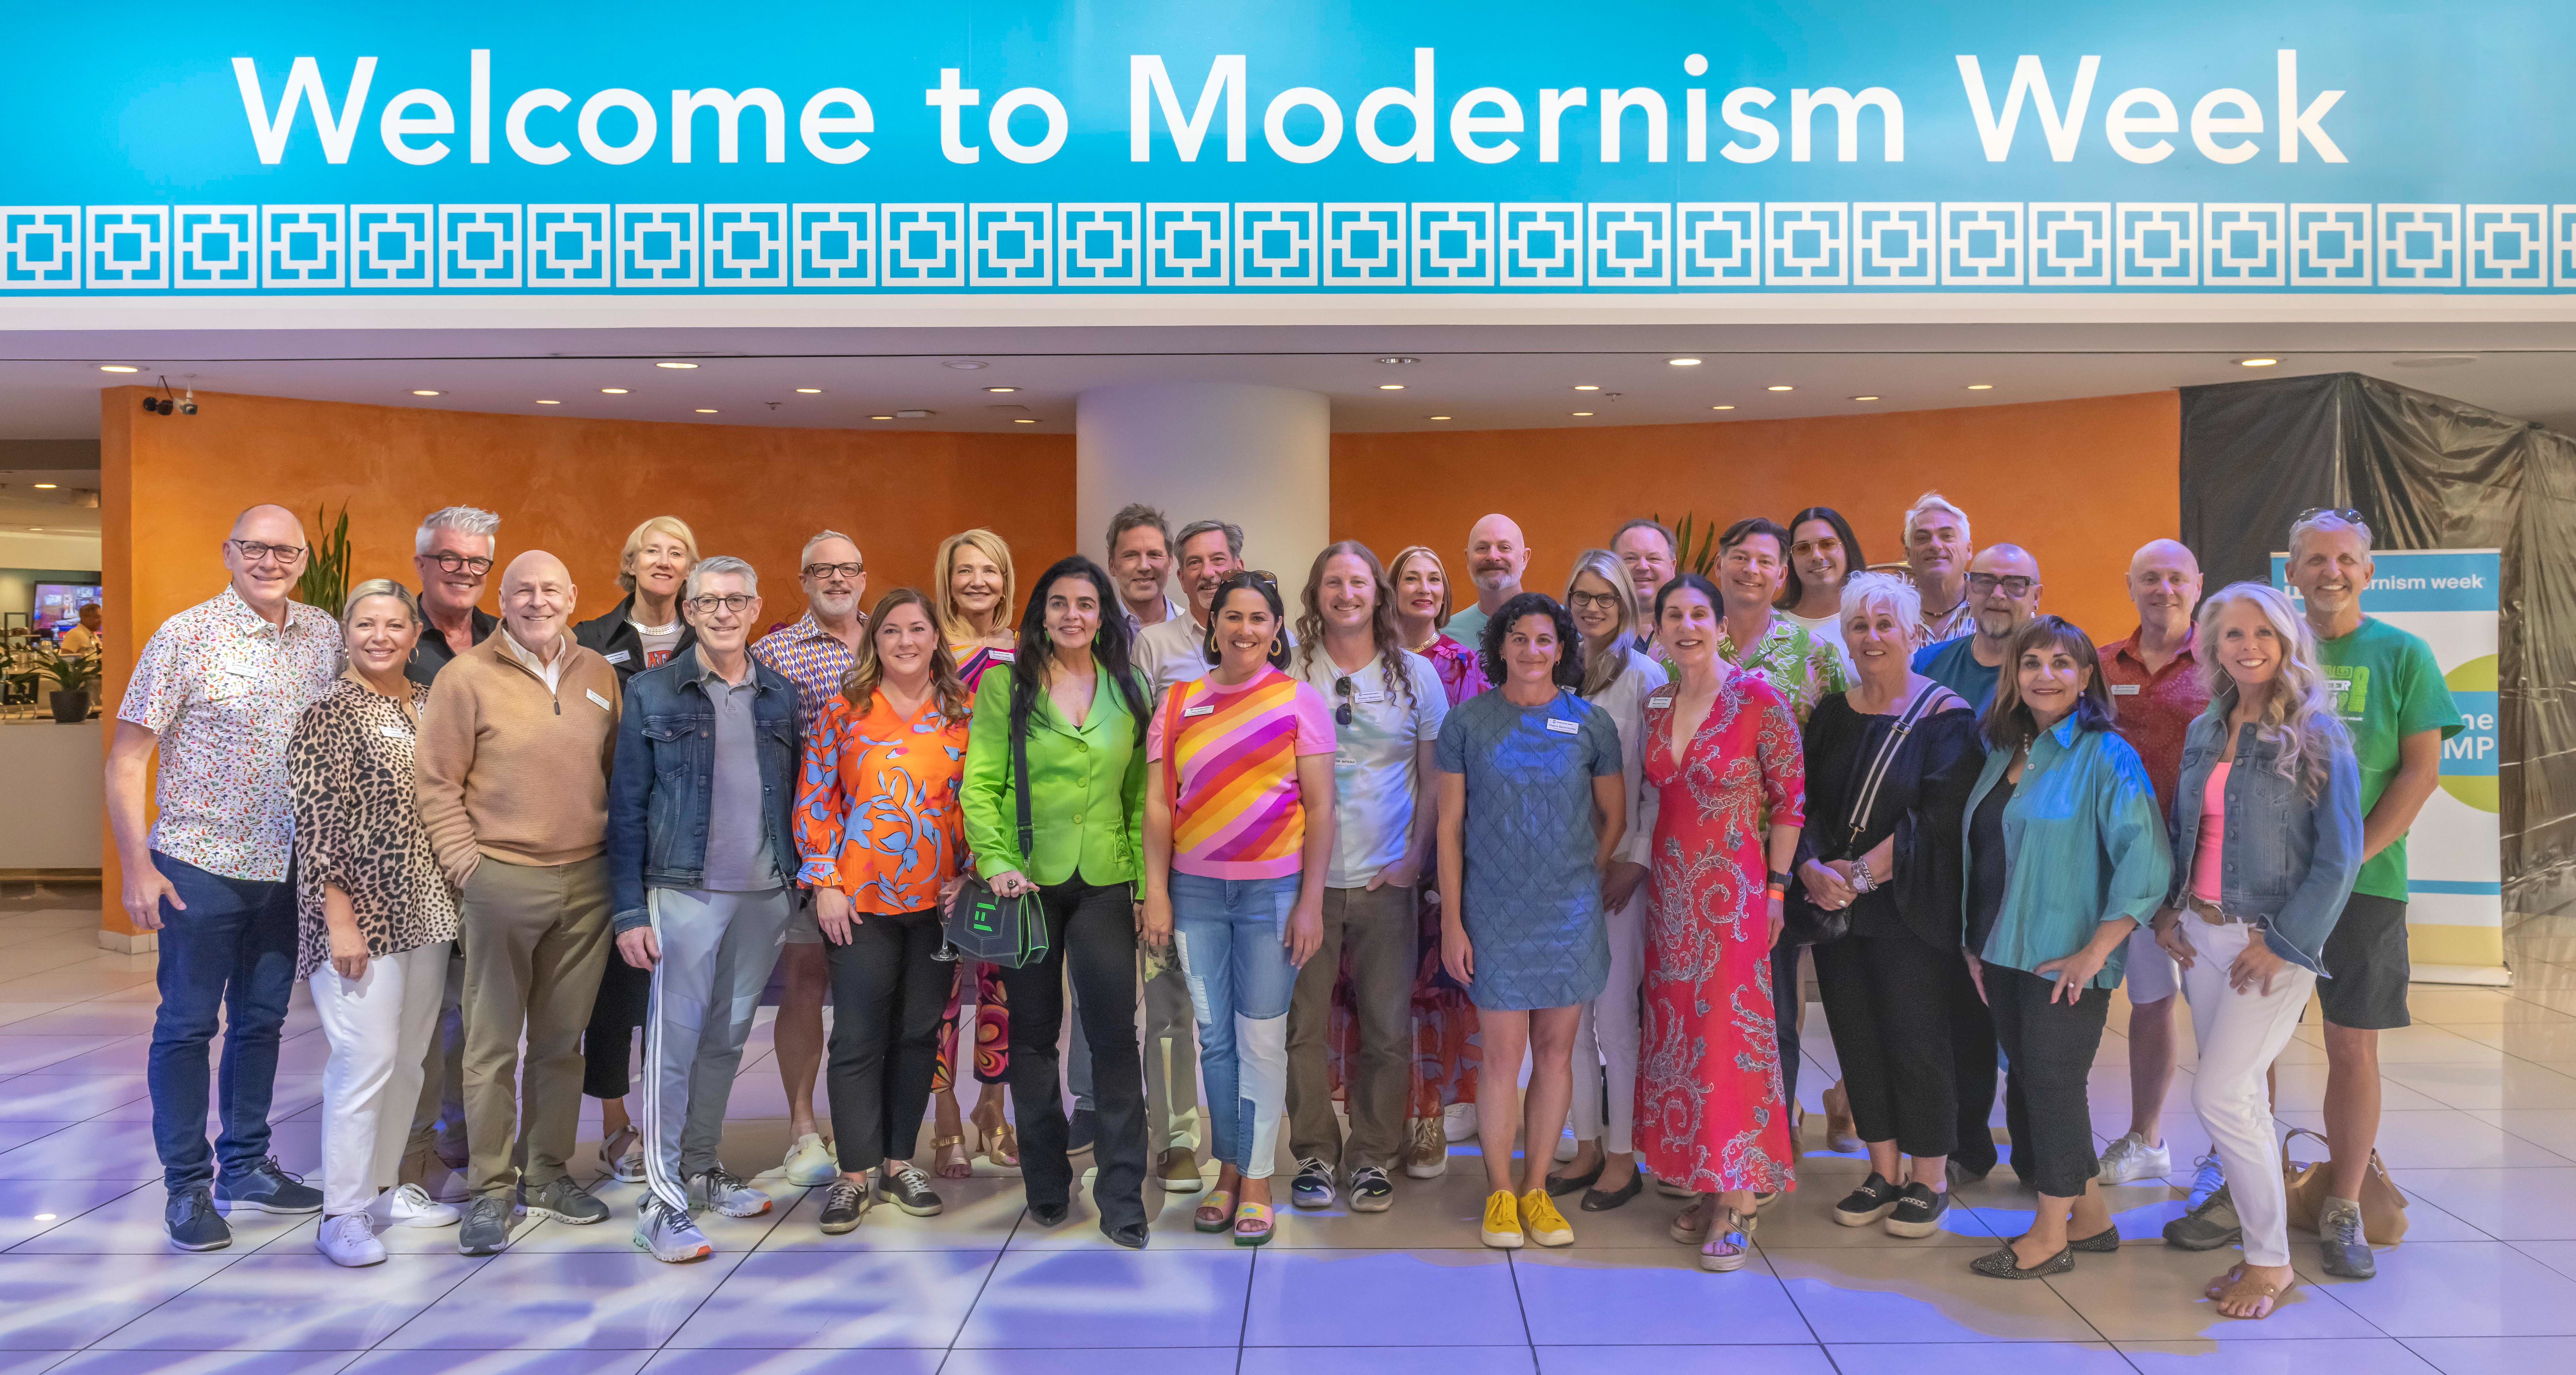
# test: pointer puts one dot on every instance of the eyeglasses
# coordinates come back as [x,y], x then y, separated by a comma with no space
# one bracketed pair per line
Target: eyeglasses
[1269,580]
[459,563]
[736,602]
[846,572]
[252,551]
[2015,586]
[1592,601]
[1342,689]
[1828,545]
[2345,514]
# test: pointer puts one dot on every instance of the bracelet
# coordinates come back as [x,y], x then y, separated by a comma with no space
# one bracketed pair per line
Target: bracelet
[1862,879]
[1777,892]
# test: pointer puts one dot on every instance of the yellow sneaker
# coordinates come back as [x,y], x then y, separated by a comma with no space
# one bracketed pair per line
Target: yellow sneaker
[1503,1220]
[1546,1225]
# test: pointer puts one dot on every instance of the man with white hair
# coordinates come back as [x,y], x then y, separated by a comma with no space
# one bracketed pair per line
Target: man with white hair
[699,854]
[814,653]
[452,553]
[1937,550]
[1497,558]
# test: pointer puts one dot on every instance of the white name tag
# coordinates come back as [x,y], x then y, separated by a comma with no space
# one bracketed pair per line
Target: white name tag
[1198,710]
[619,657]
[602,701]
[1565,727]
[1006,656]
[2124,689]
[1659,701]
[395,732]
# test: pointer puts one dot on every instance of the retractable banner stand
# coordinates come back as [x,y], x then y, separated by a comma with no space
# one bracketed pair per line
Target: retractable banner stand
[2454,866]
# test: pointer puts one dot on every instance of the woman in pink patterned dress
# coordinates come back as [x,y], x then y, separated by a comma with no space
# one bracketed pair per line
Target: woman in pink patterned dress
[1724,759]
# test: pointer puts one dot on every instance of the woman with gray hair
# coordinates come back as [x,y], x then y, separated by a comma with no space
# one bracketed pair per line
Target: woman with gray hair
[1889,766]
[377,918]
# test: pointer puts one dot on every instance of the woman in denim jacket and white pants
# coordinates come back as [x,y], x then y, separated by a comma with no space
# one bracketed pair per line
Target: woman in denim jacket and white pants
[2266,840]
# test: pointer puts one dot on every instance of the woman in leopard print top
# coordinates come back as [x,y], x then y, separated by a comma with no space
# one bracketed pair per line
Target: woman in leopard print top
[377,918]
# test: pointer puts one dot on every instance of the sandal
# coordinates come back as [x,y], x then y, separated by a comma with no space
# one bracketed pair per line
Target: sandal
[1251,1223]
[623,1154]
[1728,1250]
[1689,1232]
[949,1159]
[2238,1287]
[1001,1144]
[1216,1213]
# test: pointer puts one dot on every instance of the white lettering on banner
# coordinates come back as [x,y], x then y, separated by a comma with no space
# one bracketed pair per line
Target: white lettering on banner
[396,128]
[1616,103]
[1846,108]
[1766,135]
[2029,81]
[2309,123]
[815,125]
[478,105]
[950,101]
[647,126]
[2118,124]
[2206,125]
[1465,124]
[1274,124]
[1416,102]
[998,126]
[1147,79]
[303,84]
[1552,106]
[514,126]
[685,105]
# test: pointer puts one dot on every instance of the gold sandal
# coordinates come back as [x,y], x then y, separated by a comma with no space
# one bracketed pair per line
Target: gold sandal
[947,1166]
[995,1137]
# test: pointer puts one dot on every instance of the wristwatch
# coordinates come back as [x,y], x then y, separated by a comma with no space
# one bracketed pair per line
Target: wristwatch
[1778,885]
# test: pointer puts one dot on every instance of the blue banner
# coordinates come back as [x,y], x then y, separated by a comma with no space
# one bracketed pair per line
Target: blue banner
[1432,147]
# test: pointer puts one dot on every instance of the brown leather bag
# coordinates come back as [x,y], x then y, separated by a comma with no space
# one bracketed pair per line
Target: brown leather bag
[2383,1208]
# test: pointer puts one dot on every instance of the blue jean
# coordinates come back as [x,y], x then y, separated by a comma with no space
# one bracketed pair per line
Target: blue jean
[231,953]
[1231,934]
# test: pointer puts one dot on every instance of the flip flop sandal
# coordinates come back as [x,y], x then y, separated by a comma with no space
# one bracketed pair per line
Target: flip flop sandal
[1216,1213]
[2263,1293]
[1251,1224]
[2219,1286]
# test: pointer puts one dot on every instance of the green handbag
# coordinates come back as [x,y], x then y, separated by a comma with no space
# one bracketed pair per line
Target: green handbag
[981,924]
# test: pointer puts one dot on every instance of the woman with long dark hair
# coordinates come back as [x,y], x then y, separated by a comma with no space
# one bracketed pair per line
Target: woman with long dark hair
[1823,554]
[1073,701]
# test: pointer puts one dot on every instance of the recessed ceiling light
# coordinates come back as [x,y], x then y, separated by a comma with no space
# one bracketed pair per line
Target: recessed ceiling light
[809,391]
[1585,386]
[1721,408]
[423,391]
[1981,386]
[116,367]
[880,417]
[966,364]
[1390,386]
[1864,398]
[2257,362]
[1783,387]
[1583,412]
[1000,390]
[681,367]
[1439,417]
[549,403]
[706,410]
[42,486]
[1681,362]
[1399,360]
[1022,420]
[612,391]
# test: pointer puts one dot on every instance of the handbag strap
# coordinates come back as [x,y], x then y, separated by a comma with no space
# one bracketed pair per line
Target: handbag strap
[1865,798]
[1020,789]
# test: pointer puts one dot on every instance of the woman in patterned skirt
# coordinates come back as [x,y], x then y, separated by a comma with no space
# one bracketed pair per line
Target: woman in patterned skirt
[972,588]
[1724,760]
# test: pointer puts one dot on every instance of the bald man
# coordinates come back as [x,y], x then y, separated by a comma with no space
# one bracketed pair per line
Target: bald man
[217,690]
[514,751]
[2003,595]
[2156,690]
[1497,556]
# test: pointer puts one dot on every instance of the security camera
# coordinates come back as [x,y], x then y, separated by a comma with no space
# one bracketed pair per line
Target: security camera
[188,405]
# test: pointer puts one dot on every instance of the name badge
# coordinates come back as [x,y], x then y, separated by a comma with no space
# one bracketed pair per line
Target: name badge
[602,701]
[1198,710]
[1659,701]
[395,732]
[1565,727]
[1006,656]
[2124,689]
[619,657]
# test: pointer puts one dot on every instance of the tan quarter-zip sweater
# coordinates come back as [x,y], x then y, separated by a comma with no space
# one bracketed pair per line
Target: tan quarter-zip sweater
[510,769]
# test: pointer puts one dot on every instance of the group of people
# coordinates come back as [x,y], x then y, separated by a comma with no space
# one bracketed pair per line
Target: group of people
[1554,857]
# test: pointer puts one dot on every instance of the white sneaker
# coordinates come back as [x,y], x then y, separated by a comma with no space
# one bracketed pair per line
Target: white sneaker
[726,1192]
[810,1163]
[1566,1145]
[666,1234]
[349,1239]
[409,1205]
[1458,1122]
[2130,1159]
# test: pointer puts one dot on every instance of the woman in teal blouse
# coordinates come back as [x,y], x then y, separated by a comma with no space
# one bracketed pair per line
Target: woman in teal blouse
[2066,855]
[1072,696]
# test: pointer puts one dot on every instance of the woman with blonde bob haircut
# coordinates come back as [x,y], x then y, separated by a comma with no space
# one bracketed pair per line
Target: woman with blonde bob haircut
[2252,904]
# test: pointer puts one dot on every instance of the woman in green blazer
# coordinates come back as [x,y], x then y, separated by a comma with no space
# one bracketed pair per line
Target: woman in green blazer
[1072,697]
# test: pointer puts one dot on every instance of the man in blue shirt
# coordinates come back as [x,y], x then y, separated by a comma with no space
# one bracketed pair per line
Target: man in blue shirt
[2003,584]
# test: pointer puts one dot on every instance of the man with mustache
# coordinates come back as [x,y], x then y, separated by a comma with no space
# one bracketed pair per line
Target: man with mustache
[1497,556]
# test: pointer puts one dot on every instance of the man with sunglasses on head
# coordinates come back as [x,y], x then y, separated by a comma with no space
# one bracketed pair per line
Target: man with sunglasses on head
[217,690]
[814,653]
[2003,594]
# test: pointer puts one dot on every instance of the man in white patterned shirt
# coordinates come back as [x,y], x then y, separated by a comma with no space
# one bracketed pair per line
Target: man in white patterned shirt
[1937,550]
[217,690]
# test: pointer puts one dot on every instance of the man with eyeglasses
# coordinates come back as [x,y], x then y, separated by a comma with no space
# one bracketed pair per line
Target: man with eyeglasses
[2003,592]
[452,552]
[699,854]
[814,653]
[217,690]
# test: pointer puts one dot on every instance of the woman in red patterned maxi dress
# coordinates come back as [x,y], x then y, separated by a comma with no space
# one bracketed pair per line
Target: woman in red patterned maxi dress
[1709,1109]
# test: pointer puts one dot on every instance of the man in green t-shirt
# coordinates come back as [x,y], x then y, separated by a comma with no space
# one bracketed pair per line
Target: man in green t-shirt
[2390,694]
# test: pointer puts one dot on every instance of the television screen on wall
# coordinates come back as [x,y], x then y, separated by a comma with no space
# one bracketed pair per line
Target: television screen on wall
[58,604]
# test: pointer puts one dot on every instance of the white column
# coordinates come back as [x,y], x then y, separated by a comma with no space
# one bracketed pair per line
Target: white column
[1260,457]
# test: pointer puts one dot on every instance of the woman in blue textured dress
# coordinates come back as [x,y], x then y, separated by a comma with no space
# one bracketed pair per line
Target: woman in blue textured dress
[1532,806]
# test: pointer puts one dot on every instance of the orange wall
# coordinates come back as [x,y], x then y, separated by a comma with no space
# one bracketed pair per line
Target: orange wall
[2081,484]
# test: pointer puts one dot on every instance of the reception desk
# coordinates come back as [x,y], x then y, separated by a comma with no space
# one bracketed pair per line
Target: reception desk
[53,805]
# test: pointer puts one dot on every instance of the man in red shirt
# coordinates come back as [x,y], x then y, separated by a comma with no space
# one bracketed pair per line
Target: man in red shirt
[2156,689]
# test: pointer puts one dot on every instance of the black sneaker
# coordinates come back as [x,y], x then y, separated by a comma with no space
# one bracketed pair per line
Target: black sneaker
[1918,1212]
[270,1189]
[194,1224]
[1371,1190]
[2345,1250]
[1079,1130]
[565,1201]
[1314,1186]
[843,1205]
[909,1189]
[1873,1200]
[486,1228]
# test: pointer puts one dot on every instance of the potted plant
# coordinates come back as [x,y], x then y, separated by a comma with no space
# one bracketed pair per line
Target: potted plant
[73,675]
[326,569]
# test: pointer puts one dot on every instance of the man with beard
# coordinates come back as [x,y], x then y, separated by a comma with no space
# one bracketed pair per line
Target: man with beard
[2003,591]
[1937,549]
[814,653]
[1497,556]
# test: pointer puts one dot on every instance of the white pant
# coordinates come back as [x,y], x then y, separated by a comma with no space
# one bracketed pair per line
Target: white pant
[717,951]
[1608,1032]
[2240,1035]
[379,1026]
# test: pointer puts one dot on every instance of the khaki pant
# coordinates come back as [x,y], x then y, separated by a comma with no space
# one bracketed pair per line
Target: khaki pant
[1171,1064]
[535,939]
[1379,929]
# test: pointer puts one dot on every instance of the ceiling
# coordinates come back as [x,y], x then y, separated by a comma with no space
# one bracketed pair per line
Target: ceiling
[1466,377]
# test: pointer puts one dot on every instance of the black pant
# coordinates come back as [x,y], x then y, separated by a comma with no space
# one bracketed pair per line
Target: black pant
[1091,931]
[1888,999]
[1788,1009]
[608,1045]
[1973,1075]
[2051,1046]
[888,993]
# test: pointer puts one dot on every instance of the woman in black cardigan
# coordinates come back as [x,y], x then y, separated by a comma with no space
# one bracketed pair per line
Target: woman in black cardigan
[1881,851]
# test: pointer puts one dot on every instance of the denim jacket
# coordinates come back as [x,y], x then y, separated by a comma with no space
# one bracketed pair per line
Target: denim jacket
[663,779]
[2288,860]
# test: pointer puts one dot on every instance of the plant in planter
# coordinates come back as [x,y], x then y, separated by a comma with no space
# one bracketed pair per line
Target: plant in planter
[1702,560]
[73,676]
[326,567]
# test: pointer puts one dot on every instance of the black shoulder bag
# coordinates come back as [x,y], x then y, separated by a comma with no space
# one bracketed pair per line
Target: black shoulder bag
[981,924]
[1821,925]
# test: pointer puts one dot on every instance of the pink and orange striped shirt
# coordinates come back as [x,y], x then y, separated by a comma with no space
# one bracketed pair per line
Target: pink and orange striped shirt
[1237,813]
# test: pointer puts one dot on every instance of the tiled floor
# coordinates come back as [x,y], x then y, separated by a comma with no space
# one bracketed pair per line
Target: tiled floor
[2481,1132]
